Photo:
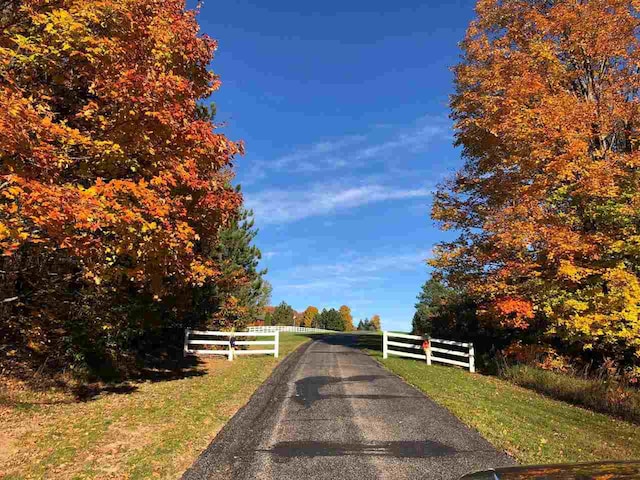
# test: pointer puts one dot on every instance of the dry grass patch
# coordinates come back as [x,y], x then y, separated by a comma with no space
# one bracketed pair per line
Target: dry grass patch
[150,430]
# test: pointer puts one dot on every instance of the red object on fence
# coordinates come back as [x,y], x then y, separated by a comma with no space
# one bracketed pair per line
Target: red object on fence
[426,345]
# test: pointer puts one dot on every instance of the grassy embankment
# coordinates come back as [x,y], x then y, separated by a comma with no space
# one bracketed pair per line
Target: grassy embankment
[529,426]
[152,429]
[600,394]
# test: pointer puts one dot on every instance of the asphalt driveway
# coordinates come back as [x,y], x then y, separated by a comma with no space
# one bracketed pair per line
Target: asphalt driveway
[330,411]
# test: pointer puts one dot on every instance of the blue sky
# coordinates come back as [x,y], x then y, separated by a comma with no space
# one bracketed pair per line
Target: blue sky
[343,109]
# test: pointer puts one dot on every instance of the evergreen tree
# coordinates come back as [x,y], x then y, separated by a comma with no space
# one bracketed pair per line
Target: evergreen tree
[422,321]
[366,326]
[431,303]
[335,320]
[241,281]
[264,296]
[320,319]
[432,295]
[283,315]
[240,258]
[331,320]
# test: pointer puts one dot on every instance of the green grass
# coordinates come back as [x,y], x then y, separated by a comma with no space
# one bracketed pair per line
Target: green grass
[155,431]
[527,425]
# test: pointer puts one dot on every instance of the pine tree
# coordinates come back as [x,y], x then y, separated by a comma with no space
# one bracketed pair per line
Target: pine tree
[241,281]
[283,315]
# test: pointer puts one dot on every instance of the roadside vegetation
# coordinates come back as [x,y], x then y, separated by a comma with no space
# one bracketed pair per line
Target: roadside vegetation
[150,429]
[543,275]
[120,224]
[597,393]
[528,426]
[545,211]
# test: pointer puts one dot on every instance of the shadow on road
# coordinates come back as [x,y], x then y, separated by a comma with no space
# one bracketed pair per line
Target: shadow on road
[361,341]
[400,449]
[308,389]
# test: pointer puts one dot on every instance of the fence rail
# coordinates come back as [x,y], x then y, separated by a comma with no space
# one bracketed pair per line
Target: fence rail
[230,352]
[286,328]
[433,353]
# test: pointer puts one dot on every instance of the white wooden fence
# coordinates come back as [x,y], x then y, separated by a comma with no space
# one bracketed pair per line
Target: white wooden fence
[440,350]
[195,337]
[286,328]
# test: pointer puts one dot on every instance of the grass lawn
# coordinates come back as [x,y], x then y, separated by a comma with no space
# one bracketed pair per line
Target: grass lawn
[530,427]
[149,430]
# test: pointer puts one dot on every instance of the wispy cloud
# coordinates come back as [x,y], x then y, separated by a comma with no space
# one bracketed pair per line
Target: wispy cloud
[357,266]
[413,140]
[317,149]
[282,206]
[356,151]
[331,284]
[351,272]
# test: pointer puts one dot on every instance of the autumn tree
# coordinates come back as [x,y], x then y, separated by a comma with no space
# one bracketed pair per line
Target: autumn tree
[375,323]
[309,316]
[546,112]
[347,318]
[114,182]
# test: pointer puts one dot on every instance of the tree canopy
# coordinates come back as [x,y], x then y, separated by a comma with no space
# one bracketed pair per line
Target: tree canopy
[546,205]
[365,325]
[431,299]
[283,315]
[347,318]
[309,316]
[375,322]
[330,320]
[117,209]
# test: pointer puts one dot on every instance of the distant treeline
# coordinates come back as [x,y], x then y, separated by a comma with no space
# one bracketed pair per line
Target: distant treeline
[329,319]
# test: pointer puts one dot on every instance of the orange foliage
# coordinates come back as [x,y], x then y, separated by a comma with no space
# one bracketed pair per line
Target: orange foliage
[547,112]
[106,154]
[347,318]
[513,312]
[308,316]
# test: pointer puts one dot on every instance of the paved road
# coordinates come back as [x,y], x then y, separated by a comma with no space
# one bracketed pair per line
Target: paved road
[330,411]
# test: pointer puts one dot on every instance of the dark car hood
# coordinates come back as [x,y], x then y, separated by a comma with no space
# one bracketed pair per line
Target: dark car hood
[578,471]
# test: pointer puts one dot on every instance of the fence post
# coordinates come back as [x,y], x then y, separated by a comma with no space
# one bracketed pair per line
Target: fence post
[186,342]
[385,347]
[472,359]
[428,353]
[277,345]
[230,358]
